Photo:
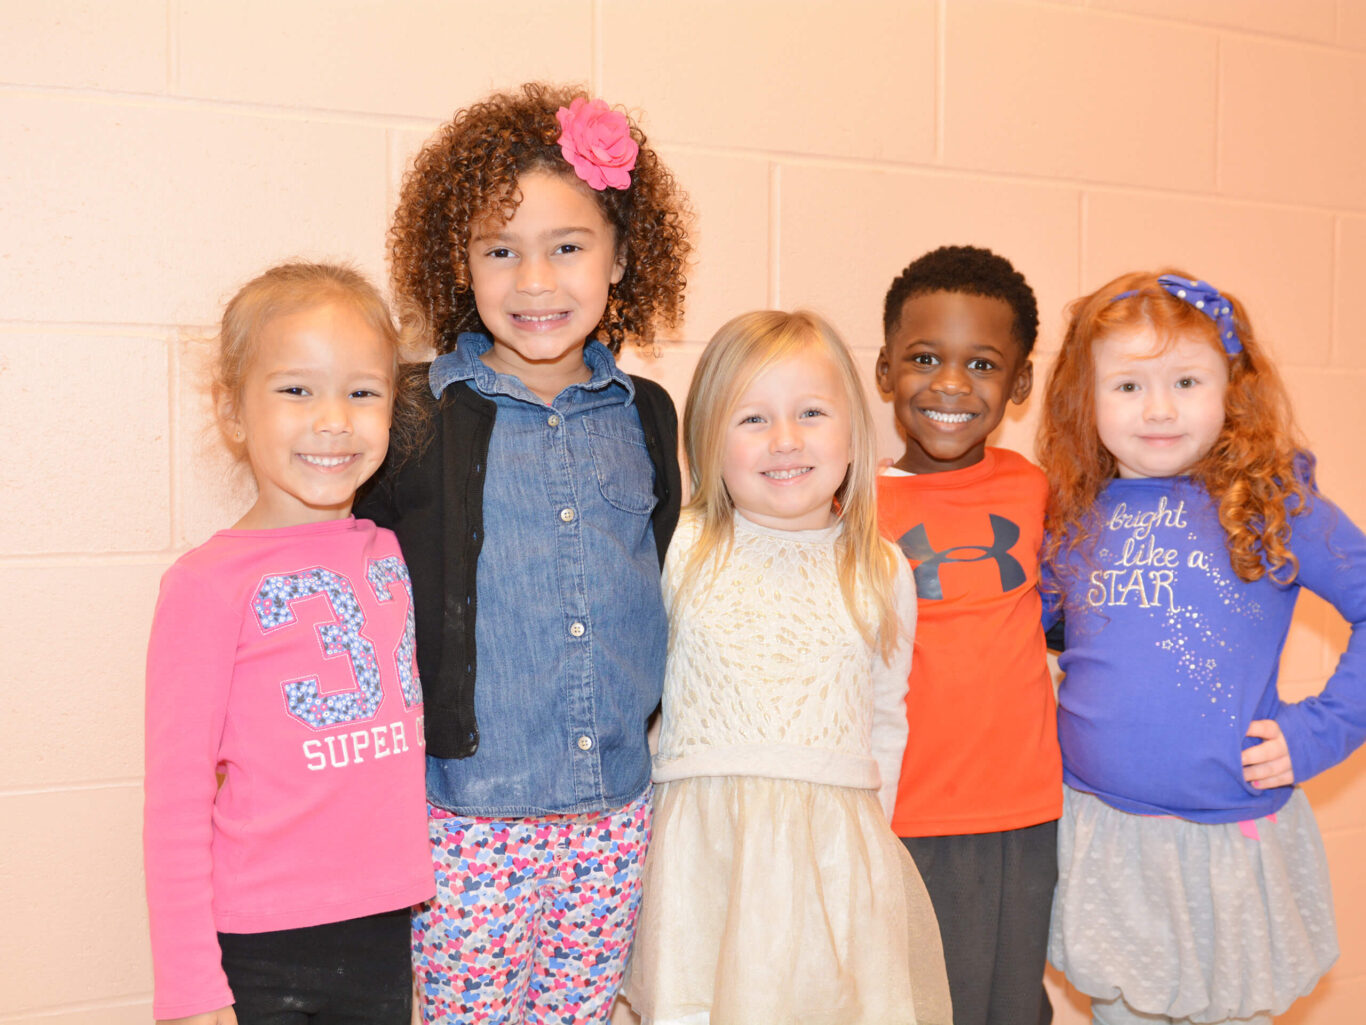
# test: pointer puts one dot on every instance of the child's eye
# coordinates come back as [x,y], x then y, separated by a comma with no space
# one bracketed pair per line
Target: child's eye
[807,413]
[924,359]
[753,418]
[982,366]
[366,393]
[500,253]
[292,389]
[1126,386]
[1187,382]
[568,247]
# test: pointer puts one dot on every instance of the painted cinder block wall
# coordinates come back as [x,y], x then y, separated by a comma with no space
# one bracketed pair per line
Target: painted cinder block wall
[154,154]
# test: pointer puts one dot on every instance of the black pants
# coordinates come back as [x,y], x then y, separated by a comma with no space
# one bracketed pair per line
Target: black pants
[992,894]
[357,972]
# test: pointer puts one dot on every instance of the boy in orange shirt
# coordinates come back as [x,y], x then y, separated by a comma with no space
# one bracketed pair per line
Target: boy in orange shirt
[981,781]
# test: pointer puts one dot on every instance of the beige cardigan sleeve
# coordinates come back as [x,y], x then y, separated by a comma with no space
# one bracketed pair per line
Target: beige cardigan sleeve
[890,727]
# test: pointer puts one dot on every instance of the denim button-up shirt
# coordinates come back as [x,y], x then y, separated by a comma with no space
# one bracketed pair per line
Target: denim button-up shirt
[571,632]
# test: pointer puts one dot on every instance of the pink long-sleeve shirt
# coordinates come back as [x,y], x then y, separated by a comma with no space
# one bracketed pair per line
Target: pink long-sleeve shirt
[282,660]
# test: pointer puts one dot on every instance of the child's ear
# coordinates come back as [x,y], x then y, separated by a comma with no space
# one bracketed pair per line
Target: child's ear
[882,369]
[1024,383]
[619,264]
[229,416]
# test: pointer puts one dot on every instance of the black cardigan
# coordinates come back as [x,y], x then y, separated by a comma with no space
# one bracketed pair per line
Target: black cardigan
[434,501]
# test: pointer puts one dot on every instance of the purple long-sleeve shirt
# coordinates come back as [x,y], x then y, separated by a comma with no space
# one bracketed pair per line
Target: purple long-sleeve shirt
[1170,655]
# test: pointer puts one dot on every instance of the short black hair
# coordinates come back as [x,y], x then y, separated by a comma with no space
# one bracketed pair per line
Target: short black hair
[969,270]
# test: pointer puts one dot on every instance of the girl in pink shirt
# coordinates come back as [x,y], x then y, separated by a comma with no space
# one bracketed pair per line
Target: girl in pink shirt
[284,829]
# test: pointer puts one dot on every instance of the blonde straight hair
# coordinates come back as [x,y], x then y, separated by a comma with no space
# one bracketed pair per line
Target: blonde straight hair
[739,352]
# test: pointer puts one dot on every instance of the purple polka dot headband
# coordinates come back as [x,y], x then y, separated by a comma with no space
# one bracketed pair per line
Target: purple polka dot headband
[1205,298]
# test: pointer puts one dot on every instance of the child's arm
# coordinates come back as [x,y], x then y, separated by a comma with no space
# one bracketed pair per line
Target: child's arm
[1321,731]
[1052,601]
[222,1016]
[189,669]
[889,692]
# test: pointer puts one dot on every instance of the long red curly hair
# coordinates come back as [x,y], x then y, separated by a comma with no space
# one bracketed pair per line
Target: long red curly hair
[1253,472]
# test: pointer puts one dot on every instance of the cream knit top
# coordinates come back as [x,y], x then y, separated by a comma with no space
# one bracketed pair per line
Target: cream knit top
[767,674]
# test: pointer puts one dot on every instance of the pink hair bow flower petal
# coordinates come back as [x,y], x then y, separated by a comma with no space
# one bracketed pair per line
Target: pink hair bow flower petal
[596,140]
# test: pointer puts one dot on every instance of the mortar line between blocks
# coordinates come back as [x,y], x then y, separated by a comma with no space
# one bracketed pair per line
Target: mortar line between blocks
[56,1010]
[1218,132]
[1083,212]
[1333,278]
[941,17]
[78,786]
[775,235]
[174,439]
[595,45]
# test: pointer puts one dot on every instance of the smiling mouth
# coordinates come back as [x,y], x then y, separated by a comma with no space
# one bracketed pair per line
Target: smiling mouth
[948,418]
[326,462]
[540,318]
[789,474]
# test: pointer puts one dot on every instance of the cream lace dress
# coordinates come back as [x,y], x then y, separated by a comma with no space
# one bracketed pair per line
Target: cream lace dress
[775,891]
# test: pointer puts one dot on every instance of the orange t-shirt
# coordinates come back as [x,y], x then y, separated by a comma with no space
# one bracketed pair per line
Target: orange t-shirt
[982,754]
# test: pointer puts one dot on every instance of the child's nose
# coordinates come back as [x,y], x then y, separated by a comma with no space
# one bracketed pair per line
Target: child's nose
[534,276]
[784,436]
[1158,405]
[334,416]
[950,379]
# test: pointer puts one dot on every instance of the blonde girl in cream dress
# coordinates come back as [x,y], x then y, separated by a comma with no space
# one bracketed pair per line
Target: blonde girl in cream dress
[775,891]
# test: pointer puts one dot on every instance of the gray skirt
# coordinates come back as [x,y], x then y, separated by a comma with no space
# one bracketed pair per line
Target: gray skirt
[1190,920]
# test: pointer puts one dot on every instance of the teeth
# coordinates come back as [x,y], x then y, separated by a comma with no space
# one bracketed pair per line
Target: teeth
[325,461]
[948,418]
[787,474]
[538,319]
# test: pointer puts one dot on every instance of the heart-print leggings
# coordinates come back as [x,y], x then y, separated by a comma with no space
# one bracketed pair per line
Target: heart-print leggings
[532,918]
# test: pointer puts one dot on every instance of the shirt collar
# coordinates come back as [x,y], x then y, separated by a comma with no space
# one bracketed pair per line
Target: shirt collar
[463,364]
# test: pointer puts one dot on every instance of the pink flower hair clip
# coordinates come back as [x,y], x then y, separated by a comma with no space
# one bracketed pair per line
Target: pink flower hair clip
[596,140]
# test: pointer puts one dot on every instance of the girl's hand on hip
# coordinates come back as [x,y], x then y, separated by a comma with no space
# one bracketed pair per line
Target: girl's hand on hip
[1267,764]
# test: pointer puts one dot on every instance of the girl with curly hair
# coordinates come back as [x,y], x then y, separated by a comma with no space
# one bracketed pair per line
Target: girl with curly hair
[1183,521]
[535,233]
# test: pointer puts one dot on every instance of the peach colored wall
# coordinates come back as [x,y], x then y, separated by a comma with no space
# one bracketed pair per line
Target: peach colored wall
[156,153]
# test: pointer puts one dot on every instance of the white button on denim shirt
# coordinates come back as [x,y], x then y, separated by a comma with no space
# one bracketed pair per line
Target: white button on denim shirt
[571,632]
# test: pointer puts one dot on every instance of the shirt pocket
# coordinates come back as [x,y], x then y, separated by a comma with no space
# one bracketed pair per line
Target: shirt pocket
[621,463]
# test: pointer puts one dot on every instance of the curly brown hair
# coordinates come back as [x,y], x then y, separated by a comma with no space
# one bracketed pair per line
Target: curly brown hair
[1255,471]
[469,171]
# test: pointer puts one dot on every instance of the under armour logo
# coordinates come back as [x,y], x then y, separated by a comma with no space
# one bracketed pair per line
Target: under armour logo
[916,544]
